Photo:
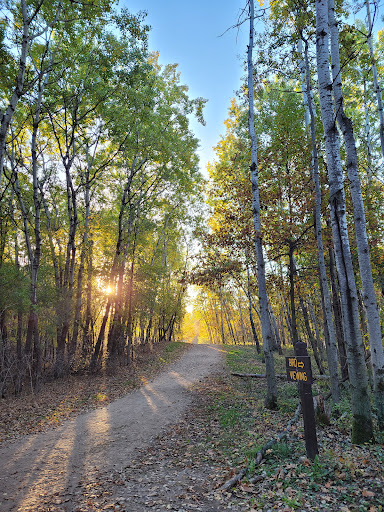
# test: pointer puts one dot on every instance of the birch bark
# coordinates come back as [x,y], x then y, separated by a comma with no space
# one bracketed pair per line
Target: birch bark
[7,116]
[331,343]
[28,35]
[369,295]
[376,85]
[271,399]
[362,428]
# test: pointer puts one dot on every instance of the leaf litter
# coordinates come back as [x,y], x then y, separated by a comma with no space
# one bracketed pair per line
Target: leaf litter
[184,467]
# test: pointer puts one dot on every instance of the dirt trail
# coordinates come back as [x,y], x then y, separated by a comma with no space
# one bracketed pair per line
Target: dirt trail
[56,462]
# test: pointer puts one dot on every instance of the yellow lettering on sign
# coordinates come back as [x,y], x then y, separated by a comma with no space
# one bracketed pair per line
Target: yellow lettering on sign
[293,362]
[301,376]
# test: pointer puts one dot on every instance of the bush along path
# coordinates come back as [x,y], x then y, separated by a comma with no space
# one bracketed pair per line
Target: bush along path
[222,430]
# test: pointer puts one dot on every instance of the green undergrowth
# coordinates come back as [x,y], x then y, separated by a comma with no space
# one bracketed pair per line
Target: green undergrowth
[343,477]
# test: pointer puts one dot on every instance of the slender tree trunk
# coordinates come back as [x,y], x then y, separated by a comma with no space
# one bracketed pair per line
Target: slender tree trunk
[254,333]
[211,338]
[32,342]
[271,399]
[98,350]
[80,275]
[287,316]
[361,409]
[229,323]
[88,332]
[18,91]
[217,330]
[275,329]
[20,370]
[331,343]
[66,291]
[311,338]
[221,315]
[282,330]
[376,85]
[292,272]
[338,316]
[116,276]
[242,324]
[368,137]
[362,244]
[130,309]
[319,342]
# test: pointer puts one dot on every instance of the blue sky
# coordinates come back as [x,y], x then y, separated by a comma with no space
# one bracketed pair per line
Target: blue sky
[195,35]
[188,33]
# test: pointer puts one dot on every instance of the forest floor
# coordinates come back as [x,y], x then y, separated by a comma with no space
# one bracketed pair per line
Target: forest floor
[202,432]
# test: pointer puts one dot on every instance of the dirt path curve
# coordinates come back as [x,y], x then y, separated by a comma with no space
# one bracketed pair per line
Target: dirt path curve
[55,462]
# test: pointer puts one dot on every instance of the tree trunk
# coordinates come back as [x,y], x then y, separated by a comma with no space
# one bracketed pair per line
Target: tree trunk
[221,315]
[98,350]
[376,85]
[275,329]
[336,304]
[362,244]
[368,138]
[292,272]
[130,310]
[361,409]
[254,333]
[319,342]
[331,343]
[88,331]
[271,399]
[311,338]
[18,91]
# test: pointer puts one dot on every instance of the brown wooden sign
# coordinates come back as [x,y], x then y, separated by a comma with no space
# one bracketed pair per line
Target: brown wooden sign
[299,369]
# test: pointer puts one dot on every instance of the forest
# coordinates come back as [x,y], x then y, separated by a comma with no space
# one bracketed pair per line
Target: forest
[99,178]
[107,222]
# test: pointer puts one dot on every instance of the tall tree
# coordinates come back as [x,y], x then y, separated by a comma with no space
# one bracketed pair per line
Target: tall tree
[362,418]
[376,84]
[369,294]
[331,338]
[271,399]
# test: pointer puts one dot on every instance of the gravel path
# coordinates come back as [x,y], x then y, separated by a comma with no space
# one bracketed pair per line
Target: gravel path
[57,462]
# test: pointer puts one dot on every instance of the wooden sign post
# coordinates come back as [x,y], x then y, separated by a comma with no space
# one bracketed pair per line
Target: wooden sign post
[299,370]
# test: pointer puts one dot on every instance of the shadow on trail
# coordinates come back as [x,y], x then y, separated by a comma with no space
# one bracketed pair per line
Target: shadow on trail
[54,465]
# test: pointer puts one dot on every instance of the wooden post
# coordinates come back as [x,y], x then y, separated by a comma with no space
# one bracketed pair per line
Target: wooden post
[308,409]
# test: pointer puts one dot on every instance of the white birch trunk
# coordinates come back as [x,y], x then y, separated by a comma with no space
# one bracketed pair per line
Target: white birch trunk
[376,85]
[368,138]
[271,399]
[369,295]
[331,340]
[362,430]
[304,87]
[19,90]
[7,116]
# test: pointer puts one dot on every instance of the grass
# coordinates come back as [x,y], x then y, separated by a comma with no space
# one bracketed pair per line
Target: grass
[342,477]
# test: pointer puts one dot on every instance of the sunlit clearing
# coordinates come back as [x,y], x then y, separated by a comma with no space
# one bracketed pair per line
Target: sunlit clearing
[189,308]
[108,290]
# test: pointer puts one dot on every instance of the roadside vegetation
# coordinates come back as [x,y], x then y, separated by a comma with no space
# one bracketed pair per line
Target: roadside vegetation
[229,425]
[61,399]
[343,477]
